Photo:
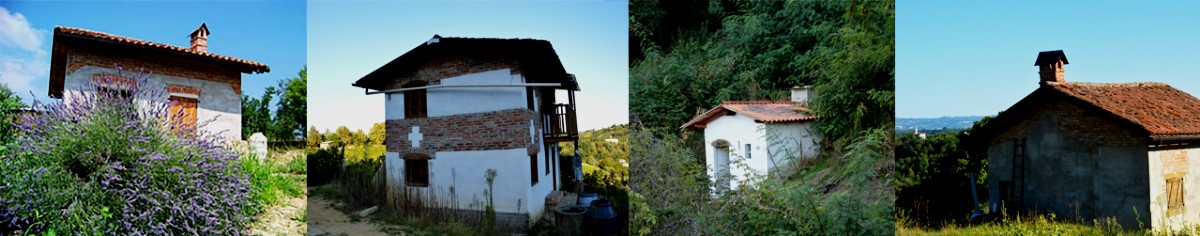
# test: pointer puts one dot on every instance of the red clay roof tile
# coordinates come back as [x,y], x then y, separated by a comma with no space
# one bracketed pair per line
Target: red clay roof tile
[250,66]
[1156,107]
[760,111]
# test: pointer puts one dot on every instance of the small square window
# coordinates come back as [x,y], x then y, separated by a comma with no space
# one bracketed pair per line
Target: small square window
[416,172]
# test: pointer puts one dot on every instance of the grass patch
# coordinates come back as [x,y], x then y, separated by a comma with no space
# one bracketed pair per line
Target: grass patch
[1039,225]
[274,180]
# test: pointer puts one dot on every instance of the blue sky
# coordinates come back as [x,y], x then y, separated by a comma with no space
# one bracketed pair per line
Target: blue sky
[976,57]
[348,40]
[268,32]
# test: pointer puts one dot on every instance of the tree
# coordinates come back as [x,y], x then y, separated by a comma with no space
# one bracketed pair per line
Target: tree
[378,133]
[256,114]
[330,136]
[344,135]
[359,138]
[313,137]
[292,111]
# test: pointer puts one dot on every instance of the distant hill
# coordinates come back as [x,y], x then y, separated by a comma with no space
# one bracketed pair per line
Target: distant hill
[951,122]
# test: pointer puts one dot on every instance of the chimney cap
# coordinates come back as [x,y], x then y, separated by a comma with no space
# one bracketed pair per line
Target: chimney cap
[202,31]
[1051,57]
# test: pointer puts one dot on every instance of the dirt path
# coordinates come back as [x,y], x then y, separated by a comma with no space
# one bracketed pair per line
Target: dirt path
[285,219]
[323,219]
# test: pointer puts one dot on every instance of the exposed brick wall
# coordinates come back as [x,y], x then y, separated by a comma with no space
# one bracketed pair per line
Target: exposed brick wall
[1091,127]
[437,69]
[154,64]
[1174,161]
[498,130]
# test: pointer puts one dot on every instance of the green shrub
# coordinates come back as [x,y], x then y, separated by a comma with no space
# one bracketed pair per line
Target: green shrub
[357,182]
[106,165]
[323,166]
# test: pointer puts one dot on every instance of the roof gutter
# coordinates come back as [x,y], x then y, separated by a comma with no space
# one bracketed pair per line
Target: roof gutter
[1176,137]
[441,86]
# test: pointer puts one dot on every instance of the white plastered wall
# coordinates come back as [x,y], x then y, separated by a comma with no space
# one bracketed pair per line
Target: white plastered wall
[464,169]
[218,101]
[1191,185]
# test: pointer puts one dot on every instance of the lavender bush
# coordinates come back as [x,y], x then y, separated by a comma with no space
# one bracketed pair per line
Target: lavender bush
[109,164]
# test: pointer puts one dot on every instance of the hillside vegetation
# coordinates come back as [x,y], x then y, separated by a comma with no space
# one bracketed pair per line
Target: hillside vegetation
[689,57]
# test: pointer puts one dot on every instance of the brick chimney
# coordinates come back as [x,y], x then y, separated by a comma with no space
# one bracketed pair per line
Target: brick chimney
[200,38]
[1050,65]
[801,94]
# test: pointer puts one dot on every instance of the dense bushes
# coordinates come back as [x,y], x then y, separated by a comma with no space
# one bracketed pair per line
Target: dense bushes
[357,182]
[323,166]
[109,163]
[939,163]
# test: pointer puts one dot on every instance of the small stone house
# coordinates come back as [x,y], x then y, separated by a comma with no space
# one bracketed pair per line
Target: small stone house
[1097,150]
[457,107]
[760,134]
[204,85]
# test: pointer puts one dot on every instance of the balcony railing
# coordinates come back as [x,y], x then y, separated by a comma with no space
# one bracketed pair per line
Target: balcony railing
[558,124]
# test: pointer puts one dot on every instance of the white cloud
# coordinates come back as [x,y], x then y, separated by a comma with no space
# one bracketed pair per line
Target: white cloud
[18,33]
[22,59]
[19,74]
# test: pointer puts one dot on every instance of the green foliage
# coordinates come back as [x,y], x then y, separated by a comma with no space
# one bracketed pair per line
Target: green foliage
[490,226]
[359,138]
[289,118]
[344,135]
[256,113]
[855,71]
[323,165]
[940,163]
[378,134]
[612,187]
[313,138]
[271,186]
[357,182]
[670,184]
[105,165]
[759,51]
[599,151]
[1039,225]
[9,103]
[291,114]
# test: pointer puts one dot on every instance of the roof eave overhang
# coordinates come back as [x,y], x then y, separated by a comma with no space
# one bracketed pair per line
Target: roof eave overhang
[242,67]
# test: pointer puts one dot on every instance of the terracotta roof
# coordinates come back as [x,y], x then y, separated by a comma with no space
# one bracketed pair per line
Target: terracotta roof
[248,66]
[1158,108]
[539,61]
[760,111]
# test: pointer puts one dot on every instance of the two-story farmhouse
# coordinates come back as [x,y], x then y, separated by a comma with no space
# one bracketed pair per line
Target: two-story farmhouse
[760,134]
[456,107]
[1097,150]
[201,85]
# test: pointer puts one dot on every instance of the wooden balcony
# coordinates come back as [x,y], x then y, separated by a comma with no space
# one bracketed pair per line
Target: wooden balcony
[558,124]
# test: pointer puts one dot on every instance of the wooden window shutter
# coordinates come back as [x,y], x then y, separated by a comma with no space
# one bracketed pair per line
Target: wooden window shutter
[183,115]
[1175,196]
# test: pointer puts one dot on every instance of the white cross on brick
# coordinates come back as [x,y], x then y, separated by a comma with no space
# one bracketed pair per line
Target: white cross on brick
[416,136]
